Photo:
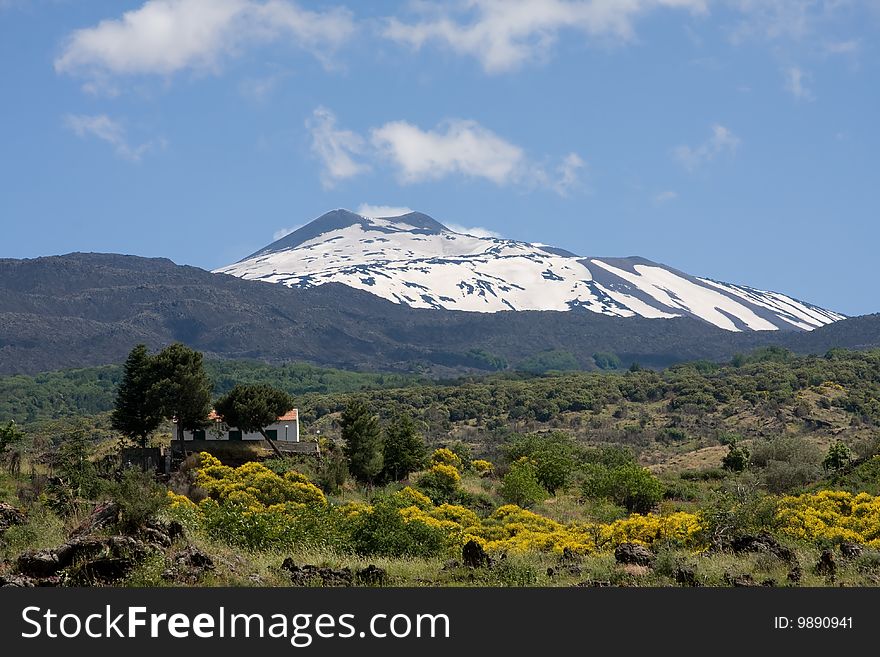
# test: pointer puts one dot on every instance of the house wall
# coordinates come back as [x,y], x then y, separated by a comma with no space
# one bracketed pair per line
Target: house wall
[221,432]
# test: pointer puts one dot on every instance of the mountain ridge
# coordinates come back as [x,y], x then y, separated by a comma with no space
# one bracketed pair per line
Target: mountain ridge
[86,309]
[414,260]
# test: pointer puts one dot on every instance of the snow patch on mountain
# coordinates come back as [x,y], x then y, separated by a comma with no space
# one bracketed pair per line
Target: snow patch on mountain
[414,260]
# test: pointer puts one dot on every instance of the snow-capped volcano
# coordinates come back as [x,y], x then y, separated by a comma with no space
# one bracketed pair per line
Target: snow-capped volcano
[413,259]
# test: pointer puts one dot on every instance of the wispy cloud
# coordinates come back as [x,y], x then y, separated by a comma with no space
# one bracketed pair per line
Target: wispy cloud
[720,142]
[569,174]
[796,81]
[260,89]
[505,34]
[284,232]
[102,127]
[367,210]
[847,47]
[783,19]
[163,37]
[476,231]
[338,150]
[665,197]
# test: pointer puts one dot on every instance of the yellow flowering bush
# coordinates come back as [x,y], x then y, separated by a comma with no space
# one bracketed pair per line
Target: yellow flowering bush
[252,506]
[445,475]
[253,485]
[444,456]
[511,528]
[832,516]
[440,482]
[409,496]
[482,467]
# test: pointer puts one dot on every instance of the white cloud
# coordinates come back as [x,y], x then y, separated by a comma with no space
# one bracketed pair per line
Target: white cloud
[373,211]
[167,36]
[665,197]
[569,173]
[796,81]
[463,147]
[284,232]
[476,231]
[102,127]
[504,34]
[454,147]
[337,149]
[721,141]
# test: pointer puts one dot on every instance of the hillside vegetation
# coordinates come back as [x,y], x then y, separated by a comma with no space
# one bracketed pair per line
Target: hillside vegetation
[764,470]
[88,309]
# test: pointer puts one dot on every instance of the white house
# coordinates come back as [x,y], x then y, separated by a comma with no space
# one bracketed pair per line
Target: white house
[284,429]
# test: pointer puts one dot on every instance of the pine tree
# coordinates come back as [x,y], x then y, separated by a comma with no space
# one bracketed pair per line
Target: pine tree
[135,415]
[181,388]
[363,442]
[404,449]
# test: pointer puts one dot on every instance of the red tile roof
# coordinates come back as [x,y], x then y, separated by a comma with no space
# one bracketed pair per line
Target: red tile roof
[290,416]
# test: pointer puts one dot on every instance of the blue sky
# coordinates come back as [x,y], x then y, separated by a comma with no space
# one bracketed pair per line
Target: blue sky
[735,139]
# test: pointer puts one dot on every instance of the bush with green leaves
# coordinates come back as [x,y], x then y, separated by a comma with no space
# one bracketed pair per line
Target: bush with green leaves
[737,457]
[295,527]
[555,457]
[629,486]
[139,496]
[839,456]
[385,532]
[521,485]
[787,449]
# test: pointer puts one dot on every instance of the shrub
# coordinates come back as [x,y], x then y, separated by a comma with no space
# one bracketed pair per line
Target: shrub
[737,457]
[521,485]
[789,449]
[629,486]
[482,467]
[440,482]
[384,531]
[253,485]
[554,455]
[445,456]
[139,497]
[278,527]
[833,516]
[839,456]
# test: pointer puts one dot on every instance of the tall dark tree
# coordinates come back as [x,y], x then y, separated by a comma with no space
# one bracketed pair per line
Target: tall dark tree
[363,442]
[135,414]
[181,388]
[403,450]
[251,408]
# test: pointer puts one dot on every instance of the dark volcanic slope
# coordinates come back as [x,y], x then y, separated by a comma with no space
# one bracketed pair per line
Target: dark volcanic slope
[90,309]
